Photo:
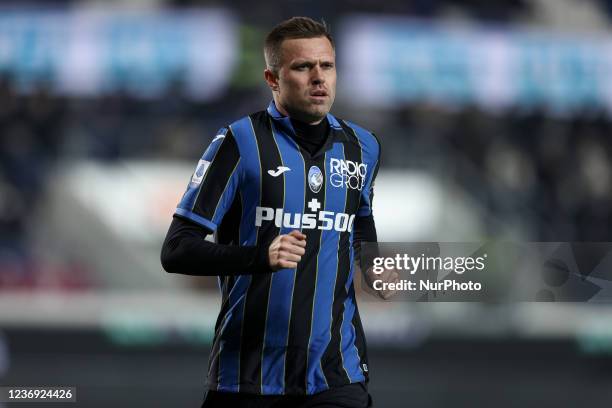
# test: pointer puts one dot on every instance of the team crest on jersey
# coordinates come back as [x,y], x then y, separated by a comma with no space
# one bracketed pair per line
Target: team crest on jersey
[198,175]
[315,179]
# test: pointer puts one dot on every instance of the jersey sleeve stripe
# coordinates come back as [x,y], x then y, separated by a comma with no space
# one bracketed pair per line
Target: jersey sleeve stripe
[209,156]
[208,198]
[196,218]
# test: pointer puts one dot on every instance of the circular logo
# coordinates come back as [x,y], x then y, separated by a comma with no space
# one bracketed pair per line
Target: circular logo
[315,179]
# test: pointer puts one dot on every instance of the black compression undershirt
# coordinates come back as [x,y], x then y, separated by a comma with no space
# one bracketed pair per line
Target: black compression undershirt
[310,137]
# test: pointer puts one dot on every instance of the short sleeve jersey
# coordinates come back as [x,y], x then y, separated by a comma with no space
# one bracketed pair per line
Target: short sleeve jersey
[293,331]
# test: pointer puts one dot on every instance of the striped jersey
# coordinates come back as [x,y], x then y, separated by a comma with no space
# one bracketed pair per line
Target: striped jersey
[293,331]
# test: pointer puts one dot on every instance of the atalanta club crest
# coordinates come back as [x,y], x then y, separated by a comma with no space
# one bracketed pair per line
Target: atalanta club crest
[315,179]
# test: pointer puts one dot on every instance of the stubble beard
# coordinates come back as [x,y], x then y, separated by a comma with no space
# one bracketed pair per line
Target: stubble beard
[310,112]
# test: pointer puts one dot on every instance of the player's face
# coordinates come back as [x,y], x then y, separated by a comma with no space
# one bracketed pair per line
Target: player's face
[305,86]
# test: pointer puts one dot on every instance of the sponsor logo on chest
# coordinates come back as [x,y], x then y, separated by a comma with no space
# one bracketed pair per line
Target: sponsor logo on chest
[347,173]
[316,218]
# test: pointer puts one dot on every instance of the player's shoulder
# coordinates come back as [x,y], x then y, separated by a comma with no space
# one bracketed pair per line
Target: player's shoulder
[245,125]
[367,138]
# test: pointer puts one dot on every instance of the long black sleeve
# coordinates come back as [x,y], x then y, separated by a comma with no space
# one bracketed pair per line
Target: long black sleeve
[364,230]
[185,251]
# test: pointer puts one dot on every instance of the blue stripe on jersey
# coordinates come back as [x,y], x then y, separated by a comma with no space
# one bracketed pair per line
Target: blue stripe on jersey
[370,153]
[349,281]
[225,201]
[283,281]
[283,122]
[190,196]
[229,359]
[251,186]
[350,354]
[229,355]
[327,271]
[333,122]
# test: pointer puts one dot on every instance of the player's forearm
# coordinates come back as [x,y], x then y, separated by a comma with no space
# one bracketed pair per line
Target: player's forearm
[364,231]
[185,251]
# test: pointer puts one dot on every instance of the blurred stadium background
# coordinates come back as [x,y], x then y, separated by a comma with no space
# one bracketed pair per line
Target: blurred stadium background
[495,118]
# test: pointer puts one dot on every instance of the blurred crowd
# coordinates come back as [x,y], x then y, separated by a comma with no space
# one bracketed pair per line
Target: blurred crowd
[560,13]
[551,175]
[32,130]
[538,12]
[270,11]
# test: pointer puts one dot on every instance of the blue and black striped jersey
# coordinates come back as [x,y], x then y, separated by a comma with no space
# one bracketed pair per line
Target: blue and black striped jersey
[293,331]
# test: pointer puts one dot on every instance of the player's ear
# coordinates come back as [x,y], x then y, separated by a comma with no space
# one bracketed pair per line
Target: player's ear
[272,79]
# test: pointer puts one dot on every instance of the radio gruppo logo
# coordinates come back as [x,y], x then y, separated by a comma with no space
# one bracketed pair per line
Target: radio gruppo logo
[347,173]
[323,220]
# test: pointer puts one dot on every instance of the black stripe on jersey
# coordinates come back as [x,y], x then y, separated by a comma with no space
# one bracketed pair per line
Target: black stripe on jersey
[332,360]
[213,361]
[229,228]
[373,180]
[255,311]
[219,172]
[227,233]
[360,342]
[302,301]
[371,192]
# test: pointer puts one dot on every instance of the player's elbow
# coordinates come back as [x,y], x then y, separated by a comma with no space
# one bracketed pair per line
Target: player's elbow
[169,261]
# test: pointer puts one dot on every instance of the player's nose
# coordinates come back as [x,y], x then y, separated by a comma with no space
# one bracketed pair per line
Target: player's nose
[317,75]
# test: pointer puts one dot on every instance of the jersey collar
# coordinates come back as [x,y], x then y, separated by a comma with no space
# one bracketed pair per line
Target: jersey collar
[285,124]
[276,115]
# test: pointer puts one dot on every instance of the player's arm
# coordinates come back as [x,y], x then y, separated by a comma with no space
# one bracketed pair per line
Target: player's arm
[364,230]
[209,195]
[186,251]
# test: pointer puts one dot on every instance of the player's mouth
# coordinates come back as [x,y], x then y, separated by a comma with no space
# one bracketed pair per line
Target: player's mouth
[319,95]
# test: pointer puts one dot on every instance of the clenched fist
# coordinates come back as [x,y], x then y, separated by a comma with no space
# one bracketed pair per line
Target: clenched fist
[286,250]
[387,276]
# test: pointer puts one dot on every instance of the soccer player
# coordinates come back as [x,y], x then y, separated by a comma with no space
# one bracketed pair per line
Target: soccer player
[288,193]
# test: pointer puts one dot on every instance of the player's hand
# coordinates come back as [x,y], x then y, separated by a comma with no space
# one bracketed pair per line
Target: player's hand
[287,250]
[387,276]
